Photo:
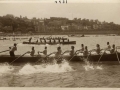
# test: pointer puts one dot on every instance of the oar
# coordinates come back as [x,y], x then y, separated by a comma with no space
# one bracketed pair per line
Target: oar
[18,57]
[62,54]
[4,51]
[46,56]
[73,55]
[117,55]
[101,57]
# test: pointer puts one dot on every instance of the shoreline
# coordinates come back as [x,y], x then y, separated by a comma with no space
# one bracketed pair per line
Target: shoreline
[92,32]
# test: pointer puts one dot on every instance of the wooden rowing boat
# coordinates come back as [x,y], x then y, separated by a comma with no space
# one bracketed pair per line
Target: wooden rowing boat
[54,38]
[93,58]
[50,43]
[76,35]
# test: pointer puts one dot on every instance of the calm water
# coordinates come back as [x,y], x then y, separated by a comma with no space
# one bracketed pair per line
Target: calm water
[63,75]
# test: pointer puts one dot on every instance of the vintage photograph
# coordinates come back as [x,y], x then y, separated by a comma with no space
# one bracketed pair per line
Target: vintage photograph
[60,43]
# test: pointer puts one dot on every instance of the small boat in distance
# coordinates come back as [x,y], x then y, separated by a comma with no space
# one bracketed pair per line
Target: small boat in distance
[76,35]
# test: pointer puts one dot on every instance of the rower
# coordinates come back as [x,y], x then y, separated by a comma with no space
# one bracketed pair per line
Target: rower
[98,49]
[72,51]
[58,53]
[82,47]
[40,40]
[13,49]
[68,40]
[44,52]
[59,40]
[85,53]
[63,40]
[32,52]
[30,39]
[108,46]
[37,41]
[45,40]
[54,40]
[50,41]
[113,49]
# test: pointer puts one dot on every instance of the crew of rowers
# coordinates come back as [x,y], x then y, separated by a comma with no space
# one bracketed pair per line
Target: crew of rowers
[72,52]
[43,40]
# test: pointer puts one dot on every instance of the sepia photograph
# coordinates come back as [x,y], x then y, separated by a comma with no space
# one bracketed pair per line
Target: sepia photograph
[60,43]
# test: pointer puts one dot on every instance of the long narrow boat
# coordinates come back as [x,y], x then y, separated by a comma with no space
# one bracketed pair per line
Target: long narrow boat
[109,58]
[55,38]
[76,35]
[52,43]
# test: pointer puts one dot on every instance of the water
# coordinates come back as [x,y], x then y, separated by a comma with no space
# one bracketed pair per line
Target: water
[66,74]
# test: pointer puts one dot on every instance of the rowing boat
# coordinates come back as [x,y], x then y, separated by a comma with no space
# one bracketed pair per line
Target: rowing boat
[111,58]
[50,43]
[76,35]
[54,38]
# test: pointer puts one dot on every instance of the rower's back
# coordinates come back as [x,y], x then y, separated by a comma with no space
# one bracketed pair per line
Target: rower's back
[85,53]
[108,46]
[12,50]
[59,51]
[72,51]
[98,49]
[82,47]
[32,52]
[113,49]
[45,51]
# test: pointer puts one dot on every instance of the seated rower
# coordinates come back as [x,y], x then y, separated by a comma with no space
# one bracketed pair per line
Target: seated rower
[45,40]
[37,41]
[12,50]
[30,39]
[32,52]
[113,49]
[81,50]
[68,40]
[85,53]
[44,52]
[98,49]
[54,41]
[82,47]
[58,53]
[72,52]
[108,46]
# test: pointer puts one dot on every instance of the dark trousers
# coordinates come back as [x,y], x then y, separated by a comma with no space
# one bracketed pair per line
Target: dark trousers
[12,54]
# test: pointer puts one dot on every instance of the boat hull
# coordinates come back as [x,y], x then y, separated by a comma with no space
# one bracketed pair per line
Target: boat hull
[107,58]
[64,43]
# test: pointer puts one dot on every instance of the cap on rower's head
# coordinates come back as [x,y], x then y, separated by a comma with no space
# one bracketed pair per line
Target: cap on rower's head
[107,42]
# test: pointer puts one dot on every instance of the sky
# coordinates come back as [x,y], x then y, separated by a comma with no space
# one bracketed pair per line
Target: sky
[106,11]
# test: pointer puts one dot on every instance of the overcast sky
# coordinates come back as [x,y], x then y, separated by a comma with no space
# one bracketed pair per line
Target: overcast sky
[109,12]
